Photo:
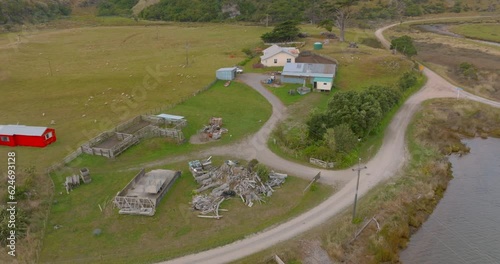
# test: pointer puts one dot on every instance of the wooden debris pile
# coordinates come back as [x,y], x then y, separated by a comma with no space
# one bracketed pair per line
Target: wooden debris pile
[230,180]
[214,129]
[73,181]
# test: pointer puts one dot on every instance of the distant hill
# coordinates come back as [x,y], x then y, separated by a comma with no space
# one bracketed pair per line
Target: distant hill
[15,12]
[302,10]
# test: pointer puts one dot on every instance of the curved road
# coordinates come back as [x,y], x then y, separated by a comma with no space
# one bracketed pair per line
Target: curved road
[390,158]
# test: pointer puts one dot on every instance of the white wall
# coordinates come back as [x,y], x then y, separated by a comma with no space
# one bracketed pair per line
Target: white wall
[281,60]
[326,86]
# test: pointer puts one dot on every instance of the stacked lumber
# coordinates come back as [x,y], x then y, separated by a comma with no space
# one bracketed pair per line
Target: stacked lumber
[71,182]
[231,180]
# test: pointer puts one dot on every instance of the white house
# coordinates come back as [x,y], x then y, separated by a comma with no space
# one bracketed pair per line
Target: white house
[321,76]
[278,56]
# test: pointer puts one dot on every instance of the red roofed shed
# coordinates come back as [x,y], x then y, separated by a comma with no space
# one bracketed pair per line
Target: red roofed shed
[17,135]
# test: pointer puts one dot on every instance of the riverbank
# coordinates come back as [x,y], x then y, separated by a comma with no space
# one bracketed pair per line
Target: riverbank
[402,204]
[463,226]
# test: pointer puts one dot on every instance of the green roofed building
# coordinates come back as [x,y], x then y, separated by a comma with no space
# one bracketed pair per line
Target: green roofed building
[321,76]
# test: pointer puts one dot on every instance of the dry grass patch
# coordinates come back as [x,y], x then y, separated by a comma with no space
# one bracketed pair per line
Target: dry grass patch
[445,55]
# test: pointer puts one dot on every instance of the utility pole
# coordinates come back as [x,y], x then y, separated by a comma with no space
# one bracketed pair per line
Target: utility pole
[359,169]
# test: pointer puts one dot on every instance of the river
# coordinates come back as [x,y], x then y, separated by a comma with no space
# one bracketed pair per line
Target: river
[465,225]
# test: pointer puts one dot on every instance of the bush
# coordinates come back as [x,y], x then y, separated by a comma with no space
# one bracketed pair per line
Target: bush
[468,70]
[251,165]
[116,7]
[262,171]
[404,45]
[407,80]
[286,31]
[345,139]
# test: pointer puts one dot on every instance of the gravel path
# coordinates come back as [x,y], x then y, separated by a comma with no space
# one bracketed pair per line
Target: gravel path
[390,158]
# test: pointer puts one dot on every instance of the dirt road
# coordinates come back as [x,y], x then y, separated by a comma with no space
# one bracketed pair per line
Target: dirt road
[390,158]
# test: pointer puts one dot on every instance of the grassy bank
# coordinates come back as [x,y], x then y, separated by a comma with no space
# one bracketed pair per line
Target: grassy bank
[403,203]
[488,32]
[175,229]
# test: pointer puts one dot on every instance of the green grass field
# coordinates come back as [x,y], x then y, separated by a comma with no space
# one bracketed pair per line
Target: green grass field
[489,32]
[90,79]
[173,231]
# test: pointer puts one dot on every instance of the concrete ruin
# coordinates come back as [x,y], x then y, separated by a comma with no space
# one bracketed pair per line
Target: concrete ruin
[145,191]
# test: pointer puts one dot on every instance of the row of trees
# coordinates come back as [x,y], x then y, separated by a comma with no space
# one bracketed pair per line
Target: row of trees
[329,12]
[14,12]
[361,112]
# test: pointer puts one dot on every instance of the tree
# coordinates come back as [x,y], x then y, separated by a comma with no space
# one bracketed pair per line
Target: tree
[407,80]
[326,24]
[345,139]
[386,96]
[329,139]
[342,12]
[404,45]
[286,31]
[399,9]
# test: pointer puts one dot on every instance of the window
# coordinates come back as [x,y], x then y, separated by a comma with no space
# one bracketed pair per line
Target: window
[288,60]
[5,139]
[48,135]
[275,60]
[324,84]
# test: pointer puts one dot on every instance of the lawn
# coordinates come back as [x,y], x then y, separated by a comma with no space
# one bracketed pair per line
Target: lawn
[282,92]
[173,231]
[90,79]
[240,107]
[489,32]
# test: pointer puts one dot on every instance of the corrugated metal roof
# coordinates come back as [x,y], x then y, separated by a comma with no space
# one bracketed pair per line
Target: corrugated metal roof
[275,49]
[22,130]
[309,70]
[170,117]
[227,69]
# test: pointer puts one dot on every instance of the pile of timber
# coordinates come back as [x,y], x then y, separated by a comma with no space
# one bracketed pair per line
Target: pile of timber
[71,182]
[214,129]
[231,180]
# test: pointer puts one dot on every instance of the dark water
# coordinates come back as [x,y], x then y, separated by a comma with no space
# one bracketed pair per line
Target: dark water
[465,226]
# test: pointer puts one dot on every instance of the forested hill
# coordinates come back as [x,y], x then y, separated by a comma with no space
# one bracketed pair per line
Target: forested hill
[301,10]
[13,12]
